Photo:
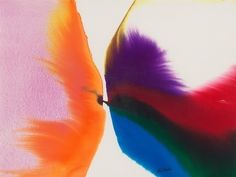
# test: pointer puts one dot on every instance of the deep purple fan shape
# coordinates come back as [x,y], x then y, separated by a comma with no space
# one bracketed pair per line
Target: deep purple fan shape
[139,61]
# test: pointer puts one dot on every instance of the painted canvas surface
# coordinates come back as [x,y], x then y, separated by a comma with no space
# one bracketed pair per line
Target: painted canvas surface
[118,88]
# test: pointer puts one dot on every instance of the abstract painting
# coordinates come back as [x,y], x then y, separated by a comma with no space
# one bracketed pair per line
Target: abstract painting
[165,98]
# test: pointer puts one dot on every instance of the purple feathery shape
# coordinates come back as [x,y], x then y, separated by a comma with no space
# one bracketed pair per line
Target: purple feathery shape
[137,60]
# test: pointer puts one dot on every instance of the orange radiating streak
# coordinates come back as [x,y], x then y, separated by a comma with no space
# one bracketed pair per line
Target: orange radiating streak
[66,148]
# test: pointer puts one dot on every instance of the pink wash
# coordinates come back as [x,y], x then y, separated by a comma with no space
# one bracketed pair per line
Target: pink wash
[26,87]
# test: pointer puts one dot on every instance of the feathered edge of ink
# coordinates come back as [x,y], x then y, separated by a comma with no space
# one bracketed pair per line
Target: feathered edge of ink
[137,60]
